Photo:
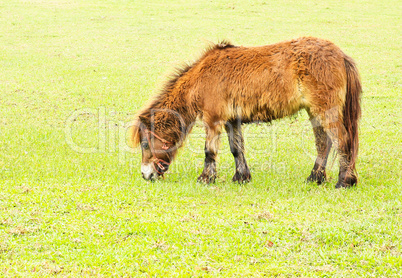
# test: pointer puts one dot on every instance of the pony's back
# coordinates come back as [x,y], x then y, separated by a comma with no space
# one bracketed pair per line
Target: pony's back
[267,82]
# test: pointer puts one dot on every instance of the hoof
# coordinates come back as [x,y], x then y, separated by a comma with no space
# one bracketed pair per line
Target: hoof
[348,182]
[340,185]
[317,176]
[242,177]
[204,178]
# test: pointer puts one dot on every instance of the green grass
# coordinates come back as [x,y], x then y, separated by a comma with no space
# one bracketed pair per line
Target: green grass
[65,213]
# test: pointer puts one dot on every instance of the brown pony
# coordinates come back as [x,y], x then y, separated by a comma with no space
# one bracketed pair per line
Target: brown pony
[231,85]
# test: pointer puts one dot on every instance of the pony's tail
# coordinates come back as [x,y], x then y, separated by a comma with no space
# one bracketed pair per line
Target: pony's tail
[352,112]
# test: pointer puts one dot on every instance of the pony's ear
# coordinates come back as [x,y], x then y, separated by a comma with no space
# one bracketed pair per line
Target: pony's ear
[136,133]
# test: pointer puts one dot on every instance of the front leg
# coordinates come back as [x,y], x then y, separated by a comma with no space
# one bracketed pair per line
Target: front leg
[209,173]
[211,150]
[236,142]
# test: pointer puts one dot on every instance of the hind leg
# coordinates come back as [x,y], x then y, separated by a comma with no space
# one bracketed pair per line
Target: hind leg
[346,176]
[236,142]
[335,129]
[323,144]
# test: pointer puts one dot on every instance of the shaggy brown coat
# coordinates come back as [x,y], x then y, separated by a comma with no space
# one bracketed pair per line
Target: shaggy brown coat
[230,83]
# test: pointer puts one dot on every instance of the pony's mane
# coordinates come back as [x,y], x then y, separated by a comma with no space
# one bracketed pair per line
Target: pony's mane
[180,71]
[159,99]
[222,45]
[156,102]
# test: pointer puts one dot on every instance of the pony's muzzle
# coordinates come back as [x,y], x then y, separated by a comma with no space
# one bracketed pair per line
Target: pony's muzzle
[148,172]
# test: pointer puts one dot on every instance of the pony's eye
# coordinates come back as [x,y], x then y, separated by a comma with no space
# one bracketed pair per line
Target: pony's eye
[145,145]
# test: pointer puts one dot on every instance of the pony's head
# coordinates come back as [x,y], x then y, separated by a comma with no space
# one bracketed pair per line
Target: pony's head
[158,146]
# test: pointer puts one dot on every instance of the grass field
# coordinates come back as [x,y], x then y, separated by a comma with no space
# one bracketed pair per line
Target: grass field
[72,200]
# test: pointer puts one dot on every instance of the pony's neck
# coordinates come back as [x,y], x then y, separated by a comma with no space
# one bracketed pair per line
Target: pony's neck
[173,114]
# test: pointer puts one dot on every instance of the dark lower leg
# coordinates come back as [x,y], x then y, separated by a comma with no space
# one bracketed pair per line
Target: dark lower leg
[346,177]
[236,143]
[323,145]
[208,175]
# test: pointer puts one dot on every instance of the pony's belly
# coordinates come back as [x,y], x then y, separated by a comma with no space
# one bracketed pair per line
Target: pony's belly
[248,114]
[266,111]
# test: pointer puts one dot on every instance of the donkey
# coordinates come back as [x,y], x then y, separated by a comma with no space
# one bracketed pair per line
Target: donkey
[232,85]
